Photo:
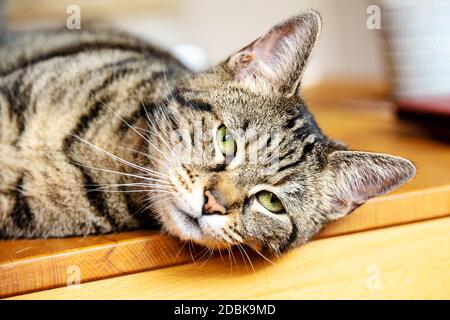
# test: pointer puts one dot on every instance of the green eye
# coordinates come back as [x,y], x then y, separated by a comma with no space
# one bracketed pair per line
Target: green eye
[226,142]
[270,202]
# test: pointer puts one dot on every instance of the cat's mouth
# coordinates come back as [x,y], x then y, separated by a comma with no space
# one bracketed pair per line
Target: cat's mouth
[191,220]
[187,226]
[194,228]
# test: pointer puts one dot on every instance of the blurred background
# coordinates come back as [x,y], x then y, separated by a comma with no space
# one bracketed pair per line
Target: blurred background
[347,47]
[381,48]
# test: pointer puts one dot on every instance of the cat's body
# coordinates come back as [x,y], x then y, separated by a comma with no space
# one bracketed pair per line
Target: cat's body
[101,132]
[53,84]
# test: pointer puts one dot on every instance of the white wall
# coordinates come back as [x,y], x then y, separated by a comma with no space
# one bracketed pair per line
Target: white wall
[347,49]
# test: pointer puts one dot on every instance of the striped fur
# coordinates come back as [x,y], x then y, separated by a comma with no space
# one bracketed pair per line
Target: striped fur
[102,132]
[51,93]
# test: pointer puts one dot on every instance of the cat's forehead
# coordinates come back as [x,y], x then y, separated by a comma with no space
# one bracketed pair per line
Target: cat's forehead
[284,122]
[242,108]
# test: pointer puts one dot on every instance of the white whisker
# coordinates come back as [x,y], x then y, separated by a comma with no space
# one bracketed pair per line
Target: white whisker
[166,166]
[132,128]
[131,191]
[156,130]
[138,184]
[135,166]
[122,173]
[262,256]
[156,133]
[249,260]
[153,188]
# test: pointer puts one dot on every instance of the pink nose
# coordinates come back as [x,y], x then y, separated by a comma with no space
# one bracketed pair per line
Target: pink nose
[211,206]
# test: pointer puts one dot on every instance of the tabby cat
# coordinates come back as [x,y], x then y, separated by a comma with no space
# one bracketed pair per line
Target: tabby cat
[102,132]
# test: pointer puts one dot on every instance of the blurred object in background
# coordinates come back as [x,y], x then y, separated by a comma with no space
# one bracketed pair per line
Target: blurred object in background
[347,53]
[2,17]
[191,55]
[417,39]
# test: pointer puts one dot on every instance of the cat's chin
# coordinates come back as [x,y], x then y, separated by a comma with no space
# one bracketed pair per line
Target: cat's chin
[189,228]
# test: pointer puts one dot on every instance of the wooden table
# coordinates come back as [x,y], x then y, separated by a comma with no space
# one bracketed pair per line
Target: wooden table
[395,246]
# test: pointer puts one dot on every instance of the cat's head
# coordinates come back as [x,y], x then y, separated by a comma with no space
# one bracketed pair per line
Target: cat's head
[246,159]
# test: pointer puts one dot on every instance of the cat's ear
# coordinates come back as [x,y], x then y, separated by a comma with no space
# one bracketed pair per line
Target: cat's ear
[354,177]
[276,60]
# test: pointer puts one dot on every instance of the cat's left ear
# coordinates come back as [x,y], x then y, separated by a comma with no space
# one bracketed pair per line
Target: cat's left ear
[353,177]
[276,60]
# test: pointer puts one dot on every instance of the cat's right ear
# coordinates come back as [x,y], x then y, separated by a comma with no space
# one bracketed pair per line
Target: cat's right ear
[275,61]
[353,177]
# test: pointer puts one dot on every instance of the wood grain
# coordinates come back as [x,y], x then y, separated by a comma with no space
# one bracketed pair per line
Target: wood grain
[28,265]
[403,262]
[368,125]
